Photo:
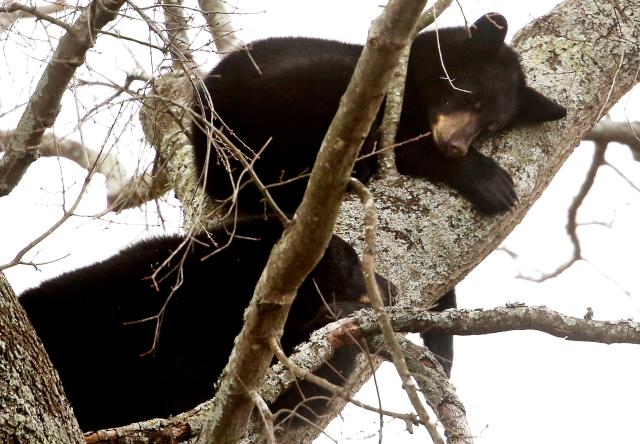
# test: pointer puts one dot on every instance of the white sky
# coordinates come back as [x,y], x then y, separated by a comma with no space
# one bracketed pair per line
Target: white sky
[519,387]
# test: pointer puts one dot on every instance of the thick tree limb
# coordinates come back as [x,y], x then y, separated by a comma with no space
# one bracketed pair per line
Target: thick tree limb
[34,408]
[44,104]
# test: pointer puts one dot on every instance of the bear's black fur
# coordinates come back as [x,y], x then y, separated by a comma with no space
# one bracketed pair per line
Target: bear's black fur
[84,319]
[282,93]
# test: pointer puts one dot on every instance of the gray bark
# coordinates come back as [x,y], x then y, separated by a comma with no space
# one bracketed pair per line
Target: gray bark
[33,408]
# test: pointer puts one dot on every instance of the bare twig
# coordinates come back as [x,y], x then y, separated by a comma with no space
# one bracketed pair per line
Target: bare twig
[266,416]
[572,224]
[171,44]
[435,386]
[14,11]
[627,133]
[395,351]
[122,192]
[336,390]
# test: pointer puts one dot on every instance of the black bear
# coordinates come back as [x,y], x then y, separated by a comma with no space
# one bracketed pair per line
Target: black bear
[96,323]
[276,100]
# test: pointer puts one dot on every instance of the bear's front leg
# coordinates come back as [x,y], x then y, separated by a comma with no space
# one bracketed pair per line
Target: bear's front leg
[481,180]
[477,177]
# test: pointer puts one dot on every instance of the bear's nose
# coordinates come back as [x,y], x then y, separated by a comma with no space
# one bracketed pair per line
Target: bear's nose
[454,132]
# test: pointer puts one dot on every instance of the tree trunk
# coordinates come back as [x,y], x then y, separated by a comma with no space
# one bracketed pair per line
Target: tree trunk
[33,408]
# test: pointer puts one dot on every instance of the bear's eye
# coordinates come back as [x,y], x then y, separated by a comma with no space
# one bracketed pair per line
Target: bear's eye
[492,128]
[477,105]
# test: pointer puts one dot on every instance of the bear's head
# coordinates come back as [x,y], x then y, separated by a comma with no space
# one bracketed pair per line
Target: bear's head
[476,88]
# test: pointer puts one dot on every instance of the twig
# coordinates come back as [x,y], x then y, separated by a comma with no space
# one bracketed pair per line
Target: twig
[301,373]
[14,11]
[435,386]
[176,25]
[572,224]
[266,416]
[382,316]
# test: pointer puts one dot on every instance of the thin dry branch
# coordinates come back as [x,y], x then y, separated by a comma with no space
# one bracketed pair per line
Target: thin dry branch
[395,351]
[572,217]
[626,133]
[481,322]
[435,386]
[122,192]
[175,39]
[44,104]
[13,12]
[336,390]
[605,132]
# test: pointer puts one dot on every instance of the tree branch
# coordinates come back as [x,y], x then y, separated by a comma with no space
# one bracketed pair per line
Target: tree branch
[395,95]
[395,353]
[435,386]
[216,14]
[34,408]
[429,238]
[176,25]
[14,11]
[44,104]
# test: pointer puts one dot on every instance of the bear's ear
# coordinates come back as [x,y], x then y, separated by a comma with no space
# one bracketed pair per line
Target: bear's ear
[488,32]
[534,107]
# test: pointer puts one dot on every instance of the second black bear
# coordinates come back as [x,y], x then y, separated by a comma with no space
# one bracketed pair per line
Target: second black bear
[276,101]
[84,319]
